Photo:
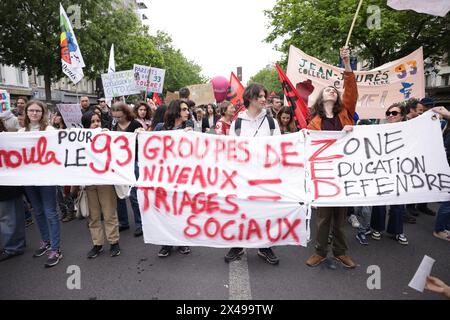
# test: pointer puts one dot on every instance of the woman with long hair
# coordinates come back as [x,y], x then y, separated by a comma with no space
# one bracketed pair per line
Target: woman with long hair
[102,200]
[285,118]
[143,115]
[330,112]
[43,198]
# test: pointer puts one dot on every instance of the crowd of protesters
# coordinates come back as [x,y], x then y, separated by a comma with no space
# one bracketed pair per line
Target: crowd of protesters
[264,115]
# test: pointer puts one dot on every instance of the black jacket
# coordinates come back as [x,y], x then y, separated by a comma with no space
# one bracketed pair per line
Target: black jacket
[10,192]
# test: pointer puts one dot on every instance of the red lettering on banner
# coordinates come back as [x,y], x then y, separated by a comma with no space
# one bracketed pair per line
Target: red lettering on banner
[285,154]
[317,193]
[168,147]
[161,197]
[37,155]
[314,169]
[106,148]
[184,175]
[151,153]
[229,179]
[198,175]
[126,148]
[325,145]
[213,228]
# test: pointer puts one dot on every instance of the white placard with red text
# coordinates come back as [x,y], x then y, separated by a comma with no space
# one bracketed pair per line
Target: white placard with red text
[67,157]
[220,191]
[378,165]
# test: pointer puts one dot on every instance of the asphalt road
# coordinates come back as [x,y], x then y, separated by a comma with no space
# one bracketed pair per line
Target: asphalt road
[139,274]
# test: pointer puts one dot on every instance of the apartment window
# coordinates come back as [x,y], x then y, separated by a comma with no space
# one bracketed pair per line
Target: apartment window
[445,79]
[19,76]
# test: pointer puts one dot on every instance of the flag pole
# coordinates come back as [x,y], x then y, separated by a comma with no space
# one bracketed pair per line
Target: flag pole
[353,23]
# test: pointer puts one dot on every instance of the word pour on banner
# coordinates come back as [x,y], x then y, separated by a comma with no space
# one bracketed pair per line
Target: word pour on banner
[220,191]
[75,157]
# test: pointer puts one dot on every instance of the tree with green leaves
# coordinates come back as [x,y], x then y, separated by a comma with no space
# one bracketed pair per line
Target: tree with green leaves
[268,77]
[320,28]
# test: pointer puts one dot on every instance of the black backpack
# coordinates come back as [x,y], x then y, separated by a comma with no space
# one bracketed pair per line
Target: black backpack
[238,124]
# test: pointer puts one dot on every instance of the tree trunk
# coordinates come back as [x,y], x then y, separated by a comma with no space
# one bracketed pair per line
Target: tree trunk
[48,90]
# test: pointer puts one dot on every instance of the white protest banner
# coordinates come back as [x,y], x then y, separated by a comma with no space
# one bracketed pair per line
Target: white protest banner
[62,157]
[378,88]
[384,164]
[434,7]
[5,102]
[117,84]
[71,114]
[150,79]
[202,93]
[220,191]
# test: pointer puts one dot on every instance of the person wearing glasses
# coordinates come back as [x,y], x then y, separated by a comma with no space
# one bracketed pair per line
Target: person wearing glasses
[125,122]
[175,118]
[43,198]
[395,113]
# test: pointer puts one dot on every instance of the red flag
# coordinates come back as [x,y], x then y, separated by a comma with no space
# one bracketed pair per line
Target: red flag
[235,92]
[301,112]
[156,99]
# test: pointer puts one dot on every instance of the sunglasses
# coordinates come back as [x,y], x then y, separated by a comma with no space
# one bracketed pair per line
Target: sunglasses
[394,113]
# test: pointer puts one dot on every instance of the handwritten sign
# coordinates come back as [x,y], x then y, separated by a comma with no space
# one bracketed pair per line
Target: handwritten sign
[150,79]
[5,102]
[378,165]
[202,93]
[117,84]
[378,88]
[219,191]
[83,157]
[71,114]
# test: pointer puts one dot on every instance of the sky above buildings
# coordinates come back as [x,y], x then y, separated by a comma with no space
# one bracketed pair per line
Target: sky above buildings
[218,35]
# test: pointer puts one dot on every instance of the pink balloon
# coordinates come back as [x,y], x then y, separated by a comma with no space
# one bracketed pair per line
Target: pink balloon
[220,86]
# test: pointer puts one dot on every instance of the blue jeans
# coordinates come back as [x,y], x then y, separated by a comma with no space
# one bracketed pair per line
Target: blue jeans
[122,211]
[12,225]
[43,200]
[395,223]
[443,217]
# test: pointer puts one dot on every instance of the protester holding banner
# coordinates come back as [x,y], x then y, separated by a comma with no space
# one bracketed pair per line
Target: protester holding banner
[12,219]
[329,112]
[143,115]
[252,123]
[10,121]
[58,121]
[442,225]
[227,111]
[125,122]
[43,198]
[176,118]
[210,119]
[395,113]
[285,118]
[102,201]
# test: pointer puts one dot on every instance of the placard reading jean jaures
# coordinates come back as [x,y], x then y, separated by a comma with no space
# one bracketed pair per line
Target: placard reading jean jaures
[118,84]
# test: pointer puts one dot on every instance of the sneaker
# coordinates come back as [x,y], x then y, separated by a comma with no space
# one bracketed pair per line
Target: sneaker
[114,251]
[28,223]
[353,220]
[45,246]
[53,258]
[95,251]
[376,235]
[401,239]
[5,255]
[444,235]
[138,232]
[315,260]
[184,250]
[346,261]
[362,238]
[68,217]
[123,228]
[268,255]
[407,218]
[368,232]
[234,254]
[165,251]
[429,212]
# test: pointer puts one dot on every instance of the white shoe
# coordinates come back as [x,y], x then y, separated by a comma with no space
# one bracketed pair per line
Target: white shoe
[353,220]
